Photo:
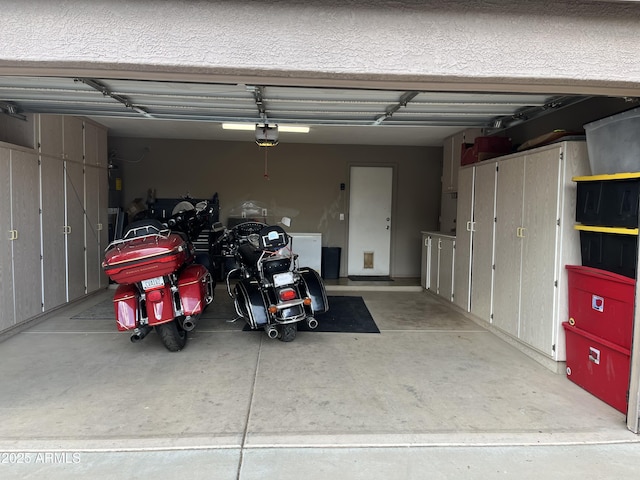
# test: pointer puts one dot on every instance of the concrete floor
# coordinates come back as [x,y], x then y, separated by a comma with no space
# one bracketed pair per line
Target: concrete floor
[432,396]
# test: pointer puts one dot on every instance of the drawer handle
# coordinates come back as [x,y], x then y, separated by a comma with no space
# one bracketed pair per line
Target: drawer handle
[594,355]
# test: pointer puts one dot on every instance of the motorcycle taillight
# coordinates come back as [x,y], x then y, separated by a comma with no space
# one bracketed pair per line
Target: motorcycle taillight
[155,296]
[287,294]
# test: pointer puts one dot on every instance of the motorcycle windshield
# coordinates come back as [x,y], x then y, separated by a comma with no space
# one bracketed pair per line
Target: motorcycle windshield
[258,211]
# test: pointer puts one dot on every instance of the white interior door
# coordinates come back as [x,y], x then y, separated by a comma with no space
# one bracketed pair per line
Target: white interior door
[370,195]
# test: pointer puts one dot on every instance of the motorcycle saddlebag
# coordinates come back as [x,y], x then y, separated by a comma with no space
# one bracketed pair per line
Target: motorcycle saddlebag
[193,288]
[125,304]
[250,303]
[315,290]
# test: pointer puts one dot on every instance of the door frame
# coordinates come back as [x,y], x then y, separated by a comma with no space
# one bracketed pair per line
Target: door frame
[394,193]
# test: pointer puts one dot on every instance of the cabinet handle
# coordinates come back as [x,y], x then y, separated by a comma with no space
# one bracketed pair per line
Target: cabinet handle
[99,227]
[439,244]
[522,229]
[469,226]
[66,230]
[13,235]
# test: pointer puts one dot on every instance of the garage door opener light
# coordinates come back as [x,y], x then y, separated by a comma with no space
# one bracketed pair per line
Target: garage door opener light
[252,127]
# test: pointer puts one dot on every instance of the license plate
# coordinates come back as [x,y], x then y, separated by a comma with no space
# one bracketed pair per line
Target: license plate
[152,283]
[280,279]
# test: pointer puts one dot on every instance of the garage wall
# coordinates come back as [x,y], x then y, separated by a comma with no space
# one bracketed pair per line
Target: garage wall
[302,177]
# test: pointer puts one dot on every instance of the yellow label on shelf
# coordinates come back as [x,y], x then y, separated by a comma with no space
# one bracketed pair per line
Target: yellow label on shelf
[118,184]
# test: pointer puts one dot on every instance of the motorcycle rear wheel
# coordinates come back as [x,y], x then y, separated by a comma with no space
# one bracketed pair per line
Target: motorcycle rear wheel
[173,336]
[287,332]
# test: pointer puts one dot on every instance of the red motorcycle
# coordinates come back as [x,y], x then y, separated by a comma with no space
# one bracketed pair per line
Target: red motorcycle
[161,283]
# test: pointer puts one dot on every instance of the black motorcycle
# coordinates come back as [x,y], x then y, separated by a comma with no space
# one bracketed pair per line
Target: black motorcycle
[269,290]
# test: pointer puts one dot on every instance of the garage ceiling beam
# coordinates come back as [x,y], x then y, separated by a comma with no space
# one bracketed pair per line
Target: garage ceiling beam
[107,93]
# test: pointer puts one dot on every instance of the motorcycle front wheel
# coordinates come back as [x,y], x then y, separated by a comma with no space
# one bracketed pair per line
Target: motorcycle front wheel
[287,332]
[173,336]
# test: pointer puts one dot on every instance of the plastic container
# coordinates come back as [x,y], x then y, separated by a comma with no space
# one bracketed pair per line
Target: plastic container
[611,249]
[601,303]
[608,200]
[600,367]
[613,143]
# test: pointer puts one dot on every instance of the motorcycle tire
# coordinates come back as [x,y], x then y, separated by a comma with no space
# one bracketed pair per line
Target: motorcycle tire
[287,333]
[173,337]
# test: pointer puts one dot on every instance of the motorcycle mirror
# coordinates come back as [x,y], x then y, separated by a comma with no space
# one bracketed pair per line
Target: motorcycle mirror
[286,221]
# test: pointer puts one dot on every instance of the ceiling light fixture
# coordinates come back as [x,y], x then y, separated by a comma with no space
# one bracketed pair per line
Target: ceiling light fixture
[252,126]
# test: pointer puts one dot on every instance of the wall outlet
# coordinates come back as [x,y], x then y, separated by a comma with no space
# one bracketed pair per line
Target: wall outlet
[342,216]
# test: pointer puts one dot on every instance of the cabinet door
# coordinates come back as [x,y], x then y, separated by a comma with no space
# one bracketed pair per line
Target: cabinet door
[25,212]
[445,268]
[434,250]
[92,227]
[103,226]
[6,269]
[508,245]
[72,144]
[53,242]
[74,227]
[462,273]
[539,249]
[50,139]
[447,167]
[456,155]
[483,231]
[424,262]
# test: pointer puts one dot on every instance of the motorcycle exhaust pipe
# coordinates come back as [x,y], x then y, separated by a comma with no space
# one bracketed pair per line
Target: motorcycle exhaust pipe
[140,333]
[272,332]
[188,324]
[312,323]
